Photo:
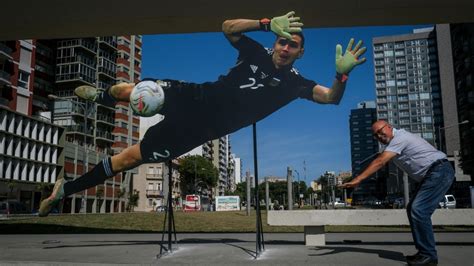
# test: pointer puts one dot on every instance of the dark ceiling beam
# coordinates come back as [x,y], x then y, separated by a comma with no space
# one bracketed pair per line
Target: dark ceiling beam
[85,18]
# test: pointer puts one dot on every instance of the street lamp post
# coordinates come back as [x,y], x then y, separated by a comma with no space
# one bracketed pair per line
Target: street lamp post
[444,128]
[85,162]
[196,182]
[298,188]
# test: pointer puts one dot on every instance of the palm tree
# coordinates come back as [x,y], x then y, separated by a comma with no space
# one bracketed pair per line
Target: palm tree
[12,184]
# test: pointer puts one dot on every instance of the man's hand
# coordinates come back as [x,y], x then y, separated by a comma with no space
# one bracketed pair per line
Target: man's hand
[354,183]
[285,25]
[345,63]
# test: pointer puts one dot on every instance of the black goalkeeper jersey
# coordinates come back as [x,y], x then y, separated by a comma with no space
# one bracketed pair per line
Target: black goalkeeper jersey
[249,92]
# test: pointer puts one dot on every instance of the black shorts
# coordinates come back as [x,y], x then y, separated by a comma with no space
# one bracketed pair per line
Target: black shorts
[167,140]
[186,124]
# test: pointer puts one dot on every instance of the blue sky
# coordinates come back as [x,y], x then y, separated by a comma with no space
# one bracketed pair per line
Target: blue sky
[301,131]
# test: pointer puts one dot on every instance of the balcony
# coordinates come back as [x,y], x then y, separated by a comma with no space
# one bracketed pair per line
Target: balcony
[154,193]
[107,71]
[5,51]
[111,41]
[105,119]
[77,129]
[5,77]
[104,135]
[153,176]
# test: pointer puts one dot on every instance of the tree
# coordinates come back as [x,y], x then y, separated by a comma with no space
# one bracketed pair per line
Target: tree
[196,173]
[325,189]
[133,198]
[240,190]
[99,194]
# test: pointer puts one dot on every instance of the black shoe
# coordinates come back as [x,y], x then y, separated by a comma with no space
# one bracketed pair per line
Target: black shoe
[412,257]
[420,260]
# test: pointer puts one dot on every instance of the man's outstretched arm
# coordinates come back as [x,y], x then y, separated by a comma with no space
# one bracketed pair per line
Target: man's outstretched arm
[344,64]
[282,26]
[373,167]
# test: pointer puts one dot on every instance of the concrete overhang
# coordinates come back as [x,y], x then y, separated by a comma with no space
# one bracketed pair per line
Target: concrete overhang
[84,18]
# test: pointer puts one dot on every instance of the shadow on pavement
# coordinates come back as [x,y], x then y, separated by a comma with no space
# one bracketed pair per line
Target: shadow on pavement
[395,243]
[385,254]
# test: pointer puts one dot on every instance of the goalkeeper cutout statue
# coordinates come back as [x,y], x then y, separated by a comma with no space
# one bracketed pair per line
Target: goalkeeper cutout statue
[262,81]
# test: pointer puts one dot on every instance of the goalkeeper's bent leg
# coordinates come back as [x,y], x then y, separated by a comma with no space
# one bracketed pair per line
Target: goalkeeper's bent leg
[108,167]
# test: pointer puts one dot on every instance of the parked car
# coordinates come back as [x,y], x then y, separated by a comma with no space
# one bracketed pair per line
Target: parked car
[12,207]
[449,202]
[339,204]
[399,203]
[161,208]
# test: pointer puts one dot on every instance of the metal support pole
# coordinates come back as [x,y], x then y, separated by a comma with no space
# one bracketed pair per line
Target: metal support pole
[345,197]
[249,199]
[260,246]
[85,163]
[169,227]
[289,186]
[267,194]
[333,192]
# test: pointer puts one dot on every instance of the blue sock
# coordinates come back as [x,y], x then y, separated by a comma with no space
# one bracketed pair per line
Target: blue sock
[101,172]
[106,99]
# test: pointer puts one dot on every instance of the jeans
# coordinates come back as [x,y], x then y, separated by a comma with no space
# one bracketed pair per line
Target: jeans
[424,202]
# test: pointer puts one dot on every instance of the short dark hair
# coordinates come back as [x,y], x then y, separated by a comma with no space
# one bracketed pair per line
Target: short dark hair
[299,34]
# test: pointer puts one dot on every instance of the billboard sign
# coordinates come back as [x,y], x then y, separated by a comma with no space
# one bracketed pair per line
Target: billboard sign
[227,203]
[192,203]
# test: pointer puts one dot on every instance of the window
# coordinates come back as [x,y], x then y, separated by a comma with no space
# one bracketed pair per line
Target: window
[412,96]
[426,119]
[391,98]
[400,53]
[23,79]
[427,135]
[378,55]
[424,96]
[150,170]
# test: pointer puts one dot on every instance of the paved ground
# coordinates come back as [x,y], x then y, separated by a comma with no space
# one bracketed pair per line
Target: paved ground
[227,249]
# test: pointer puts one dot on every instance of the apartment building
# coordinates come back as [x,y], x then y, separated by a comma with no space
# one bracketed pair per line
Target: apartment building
[31,147]
[407,82]
[363,150]
[218,151]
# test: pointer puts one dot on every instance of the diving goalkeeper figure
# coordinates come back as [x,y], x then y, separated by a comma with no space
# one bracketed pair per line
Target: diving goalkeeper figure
[262,81]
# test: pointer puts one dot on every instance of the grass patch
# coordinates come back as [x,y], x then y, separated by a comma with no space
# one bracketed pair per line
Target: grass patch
[194,222]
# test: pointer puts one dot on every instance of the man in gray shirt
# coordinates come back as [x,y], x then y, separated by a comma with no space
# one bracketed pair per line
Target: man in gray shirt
[424,164]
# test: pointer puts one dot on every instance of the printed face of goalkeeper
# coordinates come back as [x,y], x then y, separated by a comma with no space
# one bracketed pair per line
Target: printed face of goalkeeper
[285,51]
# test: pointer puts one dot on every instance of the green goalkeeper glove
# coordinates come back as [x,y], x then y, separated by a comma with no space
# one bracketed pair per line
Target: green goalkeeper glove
[285,25]
[345,63]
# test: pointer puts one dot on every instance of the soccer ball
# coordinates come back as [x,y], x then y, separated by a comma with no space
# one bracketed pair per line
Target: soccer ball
[147,98]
